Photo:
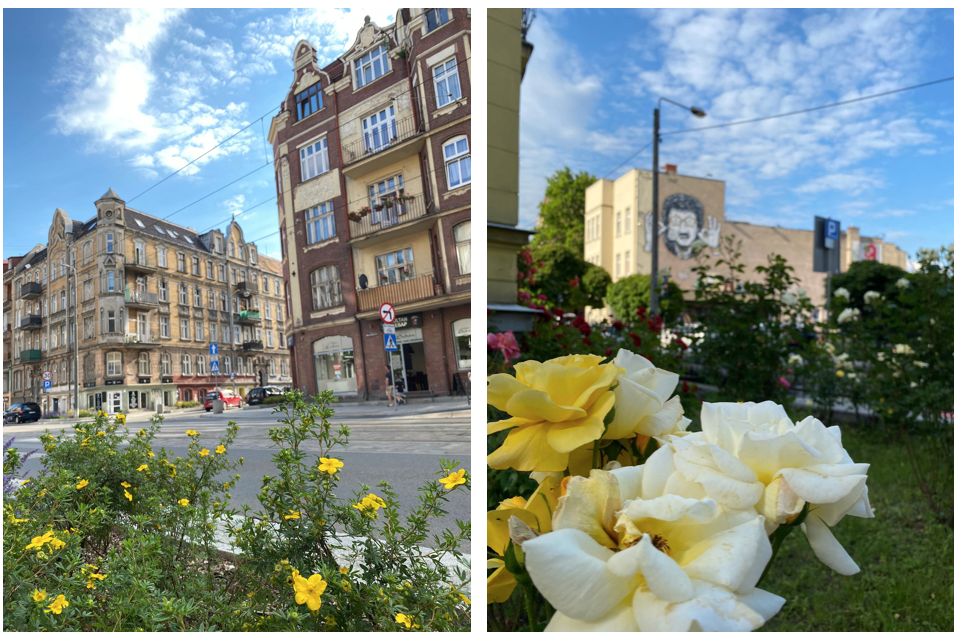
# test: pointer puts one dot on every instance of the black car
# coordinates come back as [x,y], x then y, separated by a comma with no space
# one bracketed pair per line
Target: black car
[257,395]
[24,412]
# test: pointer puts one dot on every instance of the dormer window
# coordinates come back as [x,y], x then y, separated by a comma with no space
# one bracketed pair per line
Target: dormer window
[372,65]
[309,101]
[436,18]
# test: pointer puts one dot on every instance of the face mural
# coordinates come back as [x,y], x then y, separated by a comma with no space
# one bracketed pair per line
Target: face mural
[683,225]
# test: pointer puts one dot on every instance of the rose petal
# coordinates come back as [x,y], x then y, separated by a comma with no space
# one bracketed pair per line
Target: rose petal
[526,449]
[733,558]
[827,548]
[620,620]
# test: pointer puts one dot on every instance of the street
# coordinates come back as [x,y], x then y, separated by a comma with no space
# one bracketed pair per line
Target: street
[400,446]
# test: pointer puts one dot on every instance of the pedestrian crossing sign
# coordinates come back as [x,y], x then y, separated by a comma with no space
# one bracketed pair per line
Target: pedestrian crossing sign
[391,342]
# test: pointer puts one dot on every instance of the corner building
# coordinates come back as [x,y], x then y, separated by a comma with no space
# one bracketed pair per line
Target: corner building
[372,156]
[149,299]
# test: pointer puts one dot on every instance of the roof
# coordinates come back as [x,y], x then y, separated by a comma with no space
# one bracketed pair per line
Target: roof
[144,224]
[270,264]
[110,194]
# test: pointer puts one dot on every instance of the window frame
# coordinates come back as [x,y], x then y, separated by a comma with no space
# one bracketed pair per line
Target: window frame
[377,54]
[374,124]
[387,269]
[437,13]
[319,220]
[465,266]
[314,156]
[456,160]
[307,96]
[446,76]
[325,285]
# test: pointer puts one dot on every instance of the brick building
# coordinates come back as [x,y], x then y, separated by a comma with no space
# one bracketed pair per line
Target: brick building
[372,157]
[152,297]
[618,229]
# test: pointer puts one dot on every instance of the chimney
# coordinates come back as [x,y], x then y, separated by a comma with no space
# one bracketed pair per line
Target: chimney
[670,168]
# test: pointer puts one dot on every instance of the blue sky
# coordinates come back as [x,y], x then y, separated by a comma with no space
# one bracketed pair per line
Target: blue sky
[884,165]
[98,98]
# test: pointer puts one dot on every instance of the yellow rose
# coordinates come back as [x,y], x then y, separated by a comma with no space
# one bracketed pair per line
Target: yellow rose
[555,406]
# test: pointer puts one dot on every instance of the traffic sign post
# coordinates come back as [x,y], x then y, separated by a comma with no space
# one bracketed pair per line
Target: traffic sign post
[46,384]
[213,348]
[387,313]
[391,342]
[46,375]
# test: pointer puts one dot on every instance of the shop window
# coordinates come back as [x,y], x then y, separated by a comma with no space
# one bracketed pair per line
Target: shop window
[462,334]
[334,359]
[463,246]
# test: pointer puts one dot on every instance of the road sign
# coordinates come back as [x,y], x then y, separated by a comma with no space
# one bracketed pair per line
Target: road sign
[213,348]
[391,342]
[46,375]
[233,375]
[388,328]
[387,311]
[831,233]
[215,366]
[46,384]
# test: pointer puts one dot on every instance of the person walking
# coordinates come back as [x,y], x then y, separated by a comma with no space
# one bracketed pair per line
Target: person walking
[389,389]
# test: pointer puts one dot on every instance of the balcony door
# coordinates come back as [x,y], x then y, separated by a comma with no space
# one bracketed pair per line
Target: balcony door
[379,129]
[384,198]
[142,326]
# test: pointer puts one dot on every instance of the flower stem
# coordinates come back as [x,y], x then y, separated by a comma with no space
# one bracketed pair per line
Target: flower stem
[530,604]
[776,539]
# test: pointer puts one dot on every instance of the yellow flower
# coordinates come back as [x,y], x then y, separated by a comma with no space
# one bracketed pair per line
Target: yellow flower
[56,544]
[329,465]
[183,503]
[128,495]
[343,570]
[15,521]
[81,484]
[150,455]
[370,504]
[191,432]
[454,479]
[39,595]
[308,591]
[57,605]
[465,599]
[555,407]
[840,373]
[204,452]
[220,449]
[346,585]
[102,414]
[120,418]
[101,434]
[142,467]
[85,442]
[125,484]
[404,620]
[294,514]
[173,469]
[536,512]
[94,576]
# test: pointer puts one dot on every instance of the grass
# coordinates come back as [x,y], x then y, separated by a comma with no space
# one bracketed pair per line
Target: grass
[906,557]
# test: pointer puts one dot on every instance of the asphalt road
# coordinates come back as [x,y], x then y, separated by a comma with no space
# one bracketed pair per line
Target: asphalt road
[402,446]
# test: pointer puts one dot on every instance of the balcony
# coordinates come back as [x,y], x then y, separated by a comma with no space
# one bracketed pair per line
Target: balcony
[393,211]
[252,346]
[248,316]
[140,299]
[139,265]
[31,322]
[31,290]
[246,287]
[388,144]
[140,339]
[30,355]
[417,288]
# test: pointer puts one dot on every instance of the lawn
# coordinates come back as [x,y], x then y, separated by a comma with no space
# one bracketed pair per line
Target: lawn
[906,558]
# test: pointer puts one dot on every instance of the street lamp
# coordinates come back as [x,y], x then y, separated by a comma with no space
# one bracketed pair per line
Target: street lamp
[654,234]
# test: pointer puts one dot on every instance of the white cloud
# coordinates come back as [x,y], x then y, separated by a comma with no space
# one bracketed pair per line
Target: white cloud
[852,183]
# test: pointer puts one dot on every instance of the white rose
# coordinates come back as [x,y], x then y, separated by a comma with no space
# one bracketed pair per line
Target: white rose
[643,404]
[903,349]
[842,292]
[797,463]
[871,296]
[847,315]
[903,282]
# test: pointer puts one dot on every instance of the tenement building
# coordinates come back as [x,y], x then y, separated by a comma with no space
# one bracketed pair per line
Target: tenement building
[144,300]
[618,231]
[372,155]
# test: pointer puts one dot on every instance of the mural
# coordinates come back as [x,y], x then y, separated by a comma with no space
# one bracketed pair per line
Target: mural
[683,224]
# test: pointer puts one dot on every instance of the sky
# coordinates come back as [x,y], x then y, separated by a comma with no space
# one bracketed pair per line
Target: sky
[884,165]
[122,98]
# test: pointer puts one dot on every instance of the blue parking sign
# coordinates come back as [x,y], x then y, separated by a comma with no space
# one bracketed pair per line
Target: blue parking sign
[46,384]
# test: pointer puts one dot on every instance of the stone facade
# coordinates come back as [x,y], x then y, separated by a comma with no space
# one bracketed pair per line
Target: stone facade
[693,211]
[372,156]
[148,300]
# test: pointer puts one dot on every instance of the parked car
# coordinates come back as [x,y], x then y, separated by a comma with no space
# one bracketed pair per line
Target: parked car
[24,412]
[257,395]
[228,397]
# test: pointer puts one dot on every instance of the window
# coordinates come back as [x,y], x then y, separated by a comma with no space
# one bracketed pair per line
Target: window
[213,331]
[447,87]
[109,242]
[462,335]
[181,266]
[185,364]
[372,65]
[165,322]
[278,311]
[197,296]
[396,266]
[185,330]
[320,222]
[458,162]
[325,288]
[224,301]
[162,257]
[162,290]
[165,364]
[221,273]
[334,359]
[198,330]
[111,322]
[210,269]
[626,260]
[195,266]
[114,363]
[87,254]
[436,18]
[379,129]
[182,294]
[231,249]
[617,264]
[619,224]
[88,289]
[383,199]
[309,101]
[200,365]
[144,364]
[88,327]
[314,159]
[267,313]
[463,246]
[218,245]
[111,285]
[277,287]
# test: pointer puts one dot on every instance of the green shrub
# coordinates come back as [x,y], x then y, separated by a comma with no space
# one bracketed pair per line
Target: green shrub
[185,404]
[128,537]
[85,413]
[273,399]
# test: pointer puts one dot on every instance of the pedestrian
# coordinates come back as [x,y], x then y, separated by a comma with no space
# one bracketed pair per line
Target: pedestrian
[389,390]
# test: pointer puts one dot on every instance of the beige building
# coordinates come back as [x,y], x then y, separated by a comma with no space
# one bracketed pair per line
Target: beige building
[147,298]
[508,54]
[693,213]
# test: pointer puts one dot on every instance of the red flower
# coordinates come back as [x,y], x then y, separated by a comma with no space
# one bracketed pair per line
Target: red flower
[655,323]
[619,326]
[506,343]
[586,341]
[635,338]
[681,342]
[783,382]
[580,323]
[574,282]
[641,312]
[542,297]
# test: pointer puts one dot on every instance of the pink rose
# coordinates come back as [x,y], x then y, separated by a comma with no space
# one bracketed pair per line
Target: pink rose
[506,343]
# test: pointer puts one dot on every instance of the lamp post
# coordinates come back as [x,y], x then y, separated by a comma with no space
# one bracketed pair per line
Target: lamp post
[654,233]
[73,269]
